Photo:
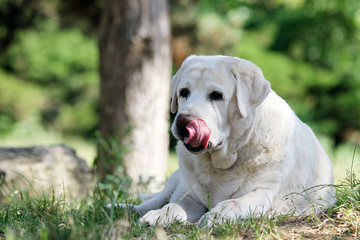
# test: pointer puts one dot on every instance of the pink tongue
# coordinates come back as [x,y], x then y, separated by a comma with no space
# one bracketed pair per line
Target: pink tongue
[199,133]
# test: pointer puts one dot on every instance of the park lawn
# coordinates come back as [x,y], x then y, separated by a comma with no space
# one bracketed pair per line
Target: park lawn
[53,217]
[49,216]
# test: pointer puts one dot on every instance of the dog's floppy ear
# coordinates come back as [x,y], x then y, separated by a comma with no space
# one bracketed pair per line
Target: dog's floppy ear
[173,86]
[175,82]
[251,86]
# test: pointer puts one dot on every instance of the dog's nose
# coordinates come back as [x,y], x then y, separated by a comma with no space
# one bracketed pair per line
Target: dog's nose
[181,122]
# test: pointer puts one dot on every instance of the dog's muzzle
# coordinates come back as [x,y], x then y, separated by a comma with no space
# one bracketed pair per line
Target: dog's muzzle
[194,133]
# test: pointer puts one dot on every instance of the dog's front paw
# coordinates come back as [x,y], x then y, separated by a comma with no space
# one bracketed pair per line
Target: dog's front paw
[213,218]
[161,217]
[226,212]
[208,220]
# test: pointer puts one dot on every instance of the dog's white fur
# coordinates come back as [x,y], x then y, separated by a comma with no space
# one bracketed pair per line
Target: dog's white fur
[262,159]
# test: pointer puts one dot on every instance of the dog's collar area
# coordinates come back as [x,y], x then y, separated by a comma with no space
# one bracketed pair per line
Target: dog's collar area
[211,145]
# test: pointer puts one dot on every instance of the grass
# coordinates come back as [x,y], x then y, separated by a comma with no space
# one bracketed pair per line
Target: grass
[51,217]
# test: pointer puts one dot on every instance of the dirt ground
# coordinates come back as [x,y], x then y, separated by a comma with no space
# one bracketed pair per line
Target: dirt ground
[322,228]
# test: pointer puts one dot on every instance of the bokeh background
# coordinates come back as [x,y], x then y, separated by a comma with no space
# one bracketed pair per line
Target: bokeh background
[308,49]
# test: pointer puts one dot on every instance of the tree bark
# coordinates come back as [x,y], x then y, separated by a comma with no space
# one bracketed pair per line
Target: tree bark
[135,69]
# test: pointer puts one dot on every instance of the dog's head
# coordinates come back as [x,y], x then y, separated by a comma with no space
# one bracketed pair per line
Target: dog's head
[207,92]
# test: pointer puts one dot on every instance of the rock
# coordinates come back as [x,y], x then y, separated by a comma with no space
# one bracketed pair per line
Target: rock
[45,169]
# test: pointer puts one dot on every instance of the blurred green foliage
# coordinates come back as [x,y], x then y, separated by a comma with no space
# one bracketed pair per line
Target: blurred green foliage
[326,34]
[17,101]
[51,73]
[308,49]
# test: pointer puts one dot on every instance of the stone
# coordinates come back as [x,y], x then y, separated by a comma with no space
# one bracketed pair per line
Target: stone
[45,169]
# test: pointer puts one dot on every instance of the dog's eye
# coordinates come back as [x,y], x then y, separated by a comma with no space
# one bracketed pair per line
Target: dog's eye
[184,93]
[216,96]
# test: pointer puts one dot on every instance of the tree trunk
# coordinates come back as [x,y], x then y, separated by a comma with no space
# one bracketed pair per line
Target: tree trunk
[135,68]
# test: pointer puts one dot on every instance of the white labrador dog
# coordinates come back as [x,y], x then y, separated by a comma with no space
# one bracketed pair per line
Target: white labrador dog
[242,150]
